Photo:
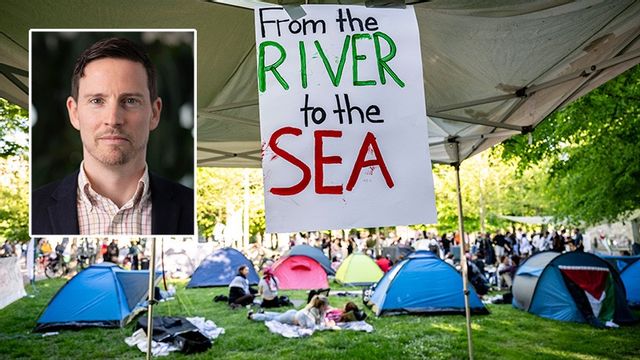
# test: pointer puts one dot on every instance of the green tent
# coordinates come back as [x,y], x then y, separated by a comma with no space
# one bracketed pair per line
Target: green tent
[358,270]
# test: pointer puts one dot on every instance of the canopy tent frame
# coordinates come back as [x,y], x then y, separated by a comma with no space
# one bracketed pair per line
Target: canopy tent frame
[453,146]
[10,73]
[151,299]
[588,73]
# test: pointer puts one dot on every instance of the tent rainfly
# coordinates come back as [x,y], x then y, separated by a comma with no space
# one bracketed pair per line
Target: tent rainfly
[574,286]
[220,267]
[422,284]
[103,295]
[299,272]
[314,253]
[358,270]
[629,268]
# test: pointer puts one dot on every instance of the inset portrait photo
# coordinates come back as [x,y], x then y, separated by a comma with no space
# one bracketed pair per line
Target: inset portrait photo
[112,139]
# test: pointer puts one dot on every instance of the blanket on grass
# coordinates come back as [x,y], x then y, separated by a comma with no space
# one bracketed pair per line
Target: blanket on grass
[162,348]
[293,331]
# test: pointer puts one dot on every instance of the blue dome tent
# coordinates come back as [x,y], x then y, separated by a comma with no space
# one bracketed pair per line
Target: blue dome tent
[629,268]
[422,283]
[574,286]
[314,253]
[103,295]
[220,267]
[630,276]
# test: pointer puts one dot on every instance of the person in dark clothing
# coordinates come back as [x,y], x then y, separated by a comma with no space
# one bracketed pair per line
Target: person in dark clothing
[489,252]
[113,252]
[350,246]
[446,243]
[7,249]
[477,279]
[558,243]
[578,241]
[240,294]
[134,252]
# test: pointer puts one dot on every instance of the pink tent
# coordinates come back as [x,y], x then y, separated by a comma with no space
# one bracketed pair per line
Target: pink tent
[299,272]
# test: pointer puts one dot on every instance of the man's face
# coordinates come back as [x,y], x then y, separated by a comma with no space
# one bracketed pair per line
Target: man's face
[113,111]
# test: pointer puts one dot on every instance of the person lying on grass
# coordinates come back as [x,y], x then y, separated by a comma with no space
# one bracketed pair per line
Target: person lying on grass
[350,312]
[310,317]
[240,294]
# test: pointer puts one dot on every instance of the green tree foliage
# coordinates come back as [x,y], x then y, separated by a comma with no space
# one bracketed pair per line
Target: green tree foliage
[14,128]
[14,173]
[14,207]
[490,187]
[221,190]
[591,151]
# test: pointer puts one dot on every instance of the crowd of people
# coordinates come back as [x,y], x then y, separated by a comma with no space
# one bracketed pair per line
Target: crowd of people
[492,258]
[80,253]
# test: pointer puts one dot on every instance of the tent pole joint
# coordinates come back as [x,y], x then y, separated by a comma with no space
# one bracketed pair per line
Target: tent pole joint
[522,92]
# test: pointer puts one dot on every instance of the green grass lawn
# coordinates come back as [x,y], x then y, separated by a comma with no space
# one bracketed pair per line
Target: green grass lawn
[506,333]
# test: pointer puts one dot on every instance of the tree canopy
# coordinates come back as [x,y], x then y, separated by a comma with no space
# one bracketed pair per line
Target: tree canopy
[590,149]
[14,170]
[14,128]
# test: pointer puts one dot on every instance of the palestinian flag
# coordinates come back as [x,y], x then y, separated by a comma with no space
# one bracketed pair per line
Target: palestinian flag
[597,286]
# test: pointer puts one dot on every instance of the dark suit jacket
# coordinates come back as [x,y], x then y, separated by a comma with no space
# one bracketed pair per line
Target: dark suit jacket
[54,209]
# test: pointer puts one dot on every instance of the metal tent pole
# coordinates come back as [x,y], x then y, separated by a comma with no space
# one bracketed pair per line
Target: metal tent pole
[152,275]
[454,150]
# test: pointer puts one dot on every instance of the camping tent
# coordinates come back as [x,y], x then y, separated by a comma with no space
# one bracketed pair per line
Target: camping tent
[620,262]
[574,286]
[358,270]
[220,267]
[630,276]
[103,295]
[629,268]
[299,272]
[397,253]
[314,253]
[422,283]
[491,69]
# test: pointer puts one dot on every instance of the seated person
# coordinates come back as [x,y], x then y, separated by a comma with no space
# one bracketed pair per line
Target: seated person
[504,270]
[310,317]
[240,294]
[350,312]
[268,289]
[383,263]
[449,259]
[476,278]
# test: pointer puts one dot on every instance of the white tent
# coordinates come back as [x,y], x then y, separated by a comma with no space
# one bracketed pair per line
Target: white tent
[492,68]
[534,220]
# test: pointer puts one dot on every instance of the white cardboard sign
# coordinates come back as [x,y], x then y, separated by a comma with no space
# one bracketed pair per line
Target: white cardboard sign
[342,119]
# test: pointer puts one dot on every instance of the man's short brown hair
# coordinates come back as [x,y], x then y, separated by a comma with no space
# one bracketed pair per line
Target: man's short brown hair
[119,48]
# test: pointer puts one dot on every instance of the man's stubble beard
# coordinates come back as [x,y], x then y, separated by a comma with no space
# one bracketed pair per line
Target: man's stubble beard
[115,155]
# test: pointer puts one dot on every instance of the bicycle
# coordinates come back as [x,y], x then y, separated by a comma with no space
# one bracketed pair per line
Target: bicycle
[56,267]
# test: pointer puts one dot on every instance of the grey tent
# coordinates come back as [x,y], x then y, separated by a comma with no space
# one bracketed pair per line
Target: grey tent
[492,69]
[314,253]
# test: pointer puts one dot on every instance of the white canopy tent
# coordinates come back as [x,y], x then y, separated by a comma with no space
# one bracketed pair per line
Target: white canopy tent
[492,68]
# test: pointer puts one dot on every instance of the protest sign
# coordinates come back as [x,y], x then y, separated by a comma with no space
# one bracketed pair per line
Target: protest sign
[342,119]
